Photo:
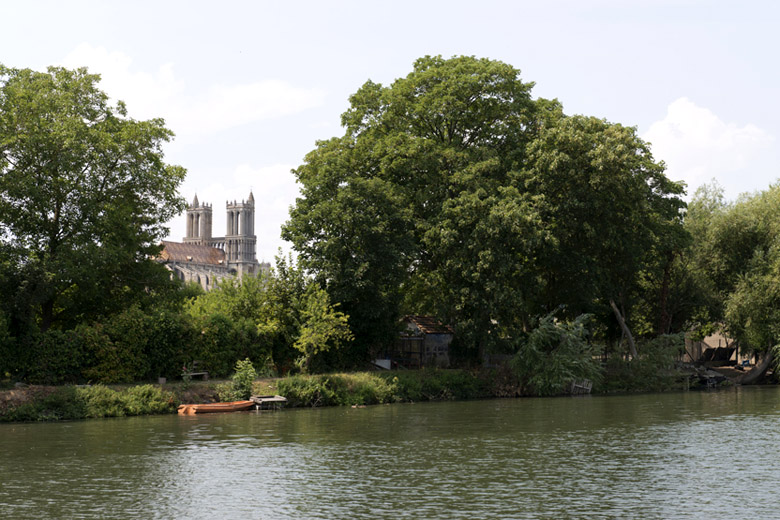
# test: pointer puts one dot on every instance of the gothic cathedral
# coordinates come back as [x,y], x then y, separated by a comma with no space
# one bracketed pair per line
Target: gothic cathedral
[205,259]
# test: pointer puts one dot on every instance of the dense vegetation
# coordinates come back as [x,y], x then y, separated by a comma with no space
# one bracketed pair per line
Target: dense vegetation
[555,239]
[453,193]
[71,402]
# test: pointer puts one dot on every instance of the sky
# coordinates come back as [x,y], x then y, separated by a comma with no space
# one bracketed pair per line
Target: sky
[249,87]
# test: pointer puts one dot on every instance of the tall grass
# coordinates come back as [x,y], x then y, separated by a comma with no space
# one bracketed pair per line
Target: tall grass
[71,402]
[364,388]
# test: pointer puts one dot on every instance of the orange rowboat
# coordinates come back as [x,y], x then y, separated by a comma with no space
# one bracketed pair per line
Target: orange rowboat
[233,406]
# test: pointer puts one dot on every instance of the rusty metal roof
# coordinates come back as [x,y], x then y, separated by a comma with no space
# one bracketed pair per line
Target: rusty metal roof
[192,253]
[429,324]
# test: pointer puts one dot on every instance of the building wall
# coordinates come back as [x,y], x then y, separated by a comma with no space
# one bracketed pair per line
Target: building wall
[207,276]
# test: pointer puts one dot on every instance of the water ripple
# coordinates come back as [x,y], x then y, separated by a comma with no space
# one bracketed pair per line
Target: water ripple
[689,456]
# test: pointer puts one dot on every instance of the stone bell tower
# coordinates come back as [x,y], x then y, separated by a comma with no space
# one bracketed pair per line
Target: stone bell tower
[240,240]
[199,220]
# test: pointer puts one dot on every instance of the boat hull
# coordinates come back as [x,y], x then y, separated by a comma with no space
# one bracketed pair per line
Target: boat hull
[233,406]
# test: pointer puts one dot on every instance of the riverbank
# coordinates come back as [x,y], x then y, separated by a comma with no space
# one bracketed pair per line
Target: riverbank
[50,403]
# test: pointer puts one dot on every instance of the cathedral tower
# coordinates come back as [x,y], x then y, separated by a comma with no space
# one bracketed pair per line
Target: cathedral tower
[240,239]
[199,220]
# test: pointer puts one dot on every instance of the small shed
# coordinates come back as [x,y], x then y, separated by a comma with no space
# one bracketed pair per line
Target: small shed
[424,341]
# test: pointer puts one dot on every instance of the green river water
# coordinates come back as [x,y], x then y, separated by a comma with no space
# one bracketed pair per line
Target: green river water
[682,455]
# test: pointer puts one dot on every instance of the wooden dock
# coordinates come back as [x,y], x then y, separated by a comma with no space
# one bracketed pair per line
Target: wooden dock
[268,402]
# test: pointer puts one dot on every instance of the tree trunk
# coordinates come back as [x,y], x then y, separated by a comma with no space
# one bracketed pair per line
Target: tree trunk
[626,331]
[754,375]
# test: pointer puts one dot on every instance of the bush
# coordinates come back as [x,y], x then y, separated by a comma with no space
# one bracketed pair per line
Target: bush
[135,345]
[307,391]
[101,401]
[364,388]
[118,347]
[53,358]
[70,402]
[170,338]
[554,355]
[61,404]
[222,340]
[148,399]
[240,386]
[653,371]
[109,363]
[360,389]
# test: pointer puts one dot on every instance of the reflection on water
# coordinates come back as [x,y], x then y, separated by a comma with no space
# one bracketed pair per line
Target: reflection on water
[690,455]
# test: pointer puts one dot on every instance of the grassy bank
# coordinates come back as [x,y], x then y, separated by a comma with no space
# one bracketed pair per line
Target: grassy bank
[42,403]
[364,388]
[48,403]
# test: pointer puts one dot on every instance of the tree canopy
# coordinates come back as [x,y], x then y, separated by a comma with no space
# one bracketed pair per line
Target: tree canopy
[453,192]
[84,197]
[736,259]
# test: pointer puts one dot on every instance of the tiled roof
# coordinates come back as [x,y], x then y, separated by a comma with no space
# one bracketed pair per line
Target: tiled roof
[192,253]
[429,325]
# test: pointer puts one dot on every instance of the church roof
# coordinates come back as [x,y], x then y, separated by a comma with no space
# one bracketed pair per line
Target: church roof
[194,253]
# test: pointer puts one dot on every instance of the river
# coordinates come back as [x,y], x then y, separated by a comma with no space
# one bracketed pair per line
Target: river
[682,455]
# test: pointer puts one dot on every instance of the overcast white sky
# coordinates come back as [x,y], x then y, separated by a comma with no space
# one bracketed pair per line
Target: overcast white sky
[248,87]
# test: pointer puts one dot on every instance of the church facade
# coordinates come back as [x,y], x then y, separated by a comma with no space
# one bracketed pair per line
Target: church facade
[206,259]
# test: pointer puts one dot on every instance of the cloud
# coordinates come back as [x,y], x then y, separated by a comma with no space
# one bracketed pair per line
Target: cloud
[188,112]
[698,146]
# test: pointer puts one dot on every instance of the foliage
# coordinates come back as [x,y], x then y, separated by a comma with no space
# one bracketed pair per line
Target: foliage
[736,258]
[753,308]
[240,386]
[269,316]
[222,340]
[554,355]
[453,193]
[322,326]
[134,345]
[606,202]
[336,390]
[365,388]
[70,402]
[654,371]
[84,196]
[53,357]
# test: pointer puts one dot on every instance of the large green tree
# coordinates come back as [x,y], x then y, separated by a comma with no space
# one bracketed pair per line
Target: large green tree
[415,199]
[453,192]
[738,257]
[613,216]
[84,197]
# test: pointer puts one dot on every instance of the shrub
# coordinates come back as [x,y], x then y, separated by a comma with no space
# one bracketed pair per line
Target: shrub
[148,399]
[63,403]
[240,386]
[306,391]
[53,357]
[170,336]
[554,355]
[70,402]
[101,401]
[452,384]
[221,340]
[107,360]
[364,388]
[653,371]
